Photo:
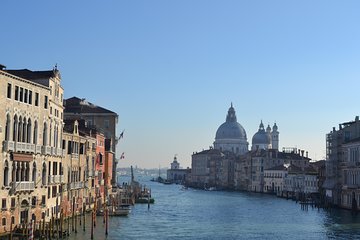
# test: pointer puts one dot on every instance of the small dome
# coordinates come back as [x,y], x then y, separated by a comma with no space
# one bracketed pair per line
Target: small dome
[268,129]
[261,137]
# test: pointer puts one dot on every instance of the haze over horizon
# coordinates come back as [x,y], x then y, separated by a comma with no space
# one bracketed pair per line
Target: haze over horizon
[170,69]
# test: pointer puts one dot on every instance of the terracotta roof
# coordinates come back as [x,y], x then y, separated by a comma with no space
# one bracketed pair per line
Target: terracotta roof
[77,105]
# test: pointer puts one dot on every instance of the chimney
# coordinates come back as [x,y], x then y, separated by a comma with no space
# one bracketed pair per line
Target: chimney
[334,129]
[340,127]
[307,154]
[302,153]
[356,118]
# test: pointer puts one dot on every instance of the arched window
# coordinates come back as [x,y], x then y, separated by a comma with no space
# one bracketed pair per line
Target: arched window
[24,131]
[28,137]
[7,128]
[19,130]
[55,135]
[15,128]
[43,175]
[23,170]
[27,172]
[50,132]
[13,172]
[6,173]
[45,134]
[18,169]
[35,132]
[34,173]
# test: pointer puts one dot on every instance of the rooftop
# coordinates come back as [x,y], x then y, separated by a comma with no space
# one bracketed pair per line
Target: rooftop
[77,105]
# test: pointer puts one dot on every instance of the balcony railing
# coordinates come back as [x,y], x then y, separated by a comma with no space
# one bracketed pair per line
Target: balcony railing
[56,179]
[59,152]
[30,147]
[9,146]
[19,147]
[38,149]
[23,186]
[46,150]
[91,173]
[53,151]
[76,185]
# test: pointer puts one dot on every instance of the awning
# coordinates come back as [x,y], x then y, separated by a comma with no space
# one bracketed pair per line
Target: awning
[22,157]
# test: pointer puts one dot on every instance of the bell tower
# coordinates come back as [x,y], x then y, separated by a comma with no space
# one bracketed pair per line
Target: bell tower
[275,137]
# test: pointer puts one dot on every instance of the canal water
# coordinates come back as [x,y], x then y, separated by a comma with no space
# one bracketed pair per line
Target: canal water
[198,214]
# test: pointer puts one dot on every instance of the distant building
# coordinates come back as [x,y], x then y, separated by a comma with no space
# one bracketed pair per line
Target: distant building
[274,179]
[265,139]
[301,180]
[212,168]
[249,170]
[175,174]
[231,136]
[95,116]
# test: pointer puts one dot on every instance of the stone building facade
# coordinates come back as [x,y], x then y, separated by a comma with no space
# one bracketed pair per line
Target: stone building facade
[342,184]
[31,126]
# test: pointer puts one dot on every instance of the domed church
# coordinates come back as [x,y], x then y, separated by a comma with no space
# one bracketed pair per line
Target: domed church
[231,136]
[265,139]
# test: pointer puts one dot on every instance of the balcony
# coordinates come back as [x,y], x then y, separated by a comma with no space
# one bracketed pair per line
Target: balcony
[30,147]
[59,152]
[9,146]
[76,185]
[23,186]
[91,173]
[46,150]
[20,147]
[56,179]
[38,149]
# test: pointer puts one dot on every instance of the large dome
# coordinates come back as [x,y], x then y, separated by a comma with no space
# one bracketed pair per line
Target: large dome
[230,130]
[261,137]
[231,136]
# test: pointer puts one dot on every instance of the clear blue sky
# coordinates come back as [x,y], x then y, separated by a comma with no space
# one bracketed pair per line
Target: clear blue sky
[171,68]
